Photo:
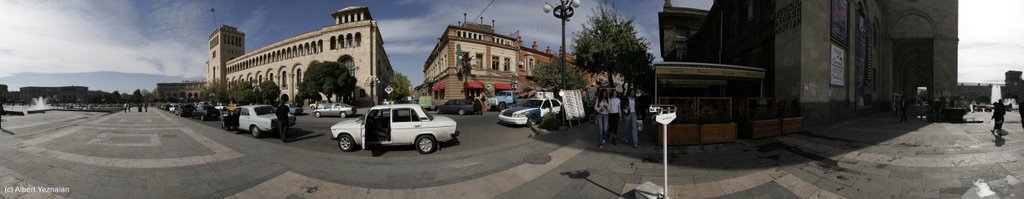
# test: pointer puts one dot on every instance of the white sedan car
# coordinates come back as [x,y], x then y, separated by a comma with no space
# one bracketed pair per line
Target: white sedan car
[259,119]
[390,125]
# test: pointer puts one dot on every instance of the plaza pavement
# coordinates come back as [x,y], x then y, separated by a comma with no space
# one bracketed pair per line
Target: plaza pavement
[157,155]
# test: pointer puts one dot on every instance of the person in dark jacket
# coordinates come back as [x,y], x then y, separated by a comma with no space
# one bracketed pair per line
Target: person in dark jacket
[997,115]
[282,121]
[903,110]
[477,106]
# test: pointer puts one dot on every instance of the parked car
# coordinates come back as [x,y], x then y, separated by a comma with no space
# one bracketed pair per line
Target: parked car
[426,102]
[184,110]
[501,100]
[530,111]
[455,106]
[259,118]
[206,112]
[313,106]
[294,109]
[335,109]
[392,125]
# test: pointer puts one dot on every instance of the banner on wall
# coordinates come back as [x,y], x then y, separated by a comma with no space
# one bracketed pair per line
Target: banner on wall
[838,65]
[840,21]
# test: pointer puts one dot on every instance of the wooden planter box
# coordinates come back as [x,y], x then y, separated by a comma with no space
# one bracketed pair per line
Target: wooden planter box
[765,128]
[678,134]
[717,133]
[792,125]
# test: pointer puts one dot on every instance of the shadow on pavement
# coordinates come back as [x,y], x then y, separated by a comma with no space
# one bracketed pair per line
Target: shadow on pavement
[850,135]
[298,135]
[585,174]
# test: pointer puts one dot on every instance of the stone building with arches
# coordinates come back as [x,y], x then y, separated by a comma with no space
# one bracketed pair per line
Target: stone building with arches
[354,40]
[838,58]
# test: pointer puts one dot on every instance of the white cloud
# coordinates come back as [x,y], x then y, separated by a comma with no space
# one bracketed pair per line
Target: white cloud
[990,39]
[525,16]
[84,36]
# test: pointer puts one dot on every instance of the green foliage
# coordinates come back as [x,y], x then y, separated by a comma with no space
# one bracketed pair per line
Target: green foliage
[242,92]
[550,122]
[715,111]
[218,89]
[116,97]
[549,76]
[268,92]
[608,44]
[400,83]
[328,78]
[136,96]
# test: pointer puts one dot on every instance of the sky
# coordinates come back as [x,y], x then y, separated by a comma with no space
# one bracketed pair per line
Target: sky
[126,45]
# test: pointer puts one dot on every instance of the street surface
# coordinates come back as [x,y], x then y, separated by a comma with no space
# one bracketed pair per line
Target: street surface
[158,155]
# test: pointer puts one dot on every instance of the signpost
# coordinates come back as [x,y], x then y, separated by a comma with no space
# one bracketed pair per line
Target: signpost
[664,115]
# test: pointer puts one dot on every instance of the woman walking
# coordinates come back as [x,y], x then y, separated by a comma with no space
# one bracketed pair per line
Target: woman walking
[602,116]
[629,108]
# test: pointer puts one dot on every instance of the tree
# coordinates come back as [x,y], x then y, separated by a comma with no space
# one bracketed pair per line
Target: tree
[219,90]
[549,76]
[136,96]
[242,92]
[268,92]
[117,97]
[400,84]
[329,78]
[609,44]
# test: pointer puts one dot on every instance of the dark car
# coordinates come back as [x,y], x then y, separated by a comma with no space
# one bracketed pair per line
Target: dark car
[455,106]
[184,110]
[206,112]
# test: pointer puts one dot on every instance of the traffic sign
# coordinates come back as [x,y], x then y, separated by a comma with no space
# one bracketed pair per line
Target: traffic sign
[389,89]
[490,86]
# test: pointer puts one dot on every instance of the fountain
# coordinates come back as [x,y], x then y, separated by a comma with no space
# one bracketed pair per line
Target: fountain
[38,106]
[997,93]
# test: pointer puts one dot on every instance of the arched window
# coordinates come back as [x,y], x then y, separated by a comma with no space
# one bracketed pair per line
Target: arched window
[348,40]
[359,39]
[333,42]
[270,77]
[349,64]
[320,43]
[298,76]
[284,79]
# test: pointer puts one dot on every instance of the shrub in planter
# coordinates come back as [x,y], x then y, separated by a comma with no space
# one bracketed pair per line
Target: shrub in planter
[550,122]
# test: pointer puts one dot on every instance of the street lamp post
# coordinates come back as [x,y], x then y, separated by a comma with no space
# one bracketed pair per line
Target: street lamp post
[563,10]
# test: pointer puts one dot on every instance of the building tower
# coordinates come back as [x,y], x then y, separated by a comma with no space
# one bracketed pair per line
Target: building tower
[226,43]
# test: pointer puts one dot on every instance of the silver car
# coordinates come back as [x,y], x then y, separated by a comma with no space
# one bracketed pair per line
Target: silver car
[335,109]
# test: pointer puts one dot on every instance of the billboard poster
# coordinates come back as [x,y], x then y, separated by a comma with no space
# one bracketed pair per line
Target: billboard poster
[861,87]
[840,21]
[838,65]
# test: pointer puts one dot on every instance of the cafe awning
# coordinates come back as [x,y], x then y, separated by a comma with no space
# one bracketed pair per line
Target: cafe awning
[666,71]
[474,85]
[502,86]
[439,87]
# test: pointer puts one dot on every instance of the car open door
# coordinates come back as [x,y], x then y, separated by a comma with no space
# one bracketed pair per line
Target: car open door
[362,129]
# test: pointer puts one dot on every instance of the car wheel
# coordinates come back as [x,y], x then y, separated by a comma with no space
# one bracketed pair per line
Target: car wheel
[346,143]
[317,114]
[462,112]
[254,131]
[426,144]
[531,121]
[342,115]
[503,106]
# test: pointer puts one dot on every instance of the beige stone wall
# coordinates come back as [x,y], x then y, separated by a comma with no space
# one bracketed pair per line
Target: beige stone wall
[483,48]
[292,56]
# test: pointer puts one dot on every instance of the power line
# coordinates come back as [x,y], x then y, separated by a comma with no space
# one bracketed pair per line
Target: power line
[482,12]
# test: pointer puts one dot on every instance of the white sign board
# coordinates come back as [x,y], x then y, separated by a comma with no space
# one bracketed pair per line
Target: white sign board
[389,89]
[838,65]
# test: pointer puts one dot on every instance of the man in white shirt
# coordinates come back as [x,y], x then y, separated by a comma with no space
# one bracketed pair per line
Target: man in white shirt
[613,116]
